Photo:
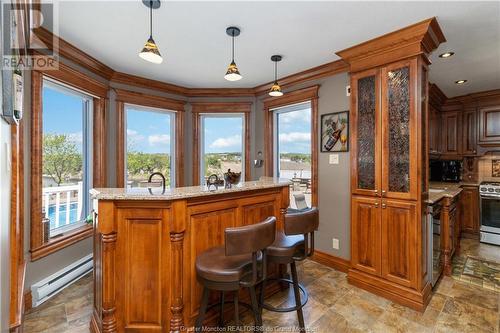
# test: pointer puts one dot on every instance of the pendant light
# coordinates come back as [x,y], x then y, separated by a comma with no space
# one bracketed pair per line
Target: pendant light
[150,52]
[233,74]
[276,89]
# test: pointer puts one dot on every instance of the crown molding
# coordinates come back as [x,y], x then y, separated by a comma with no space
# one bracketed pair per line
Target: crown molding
[72,53]
[225,107]
[132,97]
[296,96]
[417,39]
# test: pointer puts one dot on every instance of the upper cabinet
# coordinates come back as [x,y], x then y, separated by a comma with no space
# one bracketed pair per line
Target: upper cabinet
[489,124]
[434,130]
[450,132]
[384,131]
[469,132]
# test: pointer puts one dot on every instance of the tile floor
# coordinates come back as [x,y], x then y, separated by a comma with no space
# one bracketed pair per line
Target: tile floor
[334,306]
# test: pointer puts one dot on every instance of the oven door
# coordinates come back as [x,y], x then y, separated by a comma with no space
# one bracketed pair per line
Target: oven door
[490,219]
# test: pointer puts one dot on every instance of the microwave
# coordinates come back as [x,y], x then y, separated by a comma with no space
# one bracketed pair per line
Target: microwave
[445,170]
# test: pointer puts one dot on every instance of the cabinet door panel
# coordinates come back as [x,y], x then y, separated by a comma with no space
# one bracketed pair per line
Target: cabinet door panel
[470,210]
[489,125]
[450,121]
[365,229]
[365,136]
[469,132]
[434,130]
[399,242]
[399,131]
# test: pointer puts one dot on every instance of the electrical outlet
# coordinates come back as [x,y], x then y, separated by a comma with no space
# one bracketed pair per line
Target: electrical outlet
[335,243]
[334,159]
[348,90]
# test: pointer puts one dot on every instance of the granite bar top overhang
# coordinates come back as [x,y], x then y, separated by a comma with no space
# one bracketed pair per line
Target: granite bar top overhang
[156,193]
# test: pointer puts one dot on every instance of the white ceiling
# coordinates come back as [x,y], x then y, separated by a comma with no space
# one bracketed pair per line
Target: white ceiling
[196,49]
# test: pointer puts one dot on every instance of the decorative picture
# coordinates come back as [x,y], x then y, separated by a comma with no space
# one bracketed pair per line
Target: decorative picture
[335,132]
[495,168]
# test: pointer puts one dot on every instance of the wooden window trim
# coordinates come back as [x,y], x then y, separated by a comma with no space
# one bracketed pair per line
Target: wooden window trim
[198,108]
[294,97]
[77,80]
[131,97]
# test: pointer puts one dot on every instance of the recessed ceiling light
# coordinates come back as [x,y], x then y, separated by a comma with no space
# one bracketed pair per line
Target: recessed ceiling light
[460,81]
[446,54]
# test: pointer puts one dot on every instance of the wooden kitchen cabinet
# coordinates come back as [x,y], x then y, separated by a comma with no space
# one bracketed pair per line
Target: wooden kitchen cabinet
[450,133]
[469,132]
[434,130]
[365,230]
[489,125]
[399,233]
[469,202]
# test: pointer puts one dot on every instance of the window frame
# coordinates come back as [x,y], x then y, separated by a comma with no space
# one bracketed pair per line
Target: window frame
[309,94]
[202,117]
[173,116]
[87,147]
[200,108]
[78,81]
[166,104]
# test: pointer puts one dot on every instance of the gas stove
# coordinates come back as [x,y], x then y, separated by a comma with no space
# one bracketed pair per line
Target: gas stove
[491,189]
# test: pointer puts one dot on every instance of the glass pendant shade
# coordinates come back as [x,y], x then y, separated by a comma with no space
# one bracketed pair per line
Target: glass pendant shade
[275,90]
[150,52]
[233,74]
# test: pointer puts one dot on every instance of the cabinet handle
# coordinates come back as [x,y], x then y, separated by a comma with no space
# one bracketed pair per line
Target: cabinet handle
[383,206]
[384,193]
[376,204]
[376,192]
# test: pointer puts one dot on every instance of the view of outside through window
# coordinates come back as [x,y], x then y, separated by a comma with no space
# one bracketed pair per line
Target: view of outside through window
[66,178]
[222,147]
[293,150]
[149,145]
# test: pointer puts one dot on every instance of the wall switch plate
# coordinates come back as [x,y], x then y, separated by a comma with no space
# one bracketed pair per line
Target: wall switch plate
[348,90]
[335,243]
[334,159]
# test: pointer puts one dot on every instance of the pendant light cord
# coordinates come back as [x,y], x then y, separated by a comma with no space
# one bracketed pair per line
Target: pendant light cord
[150,19]
[233,45]
[275,71]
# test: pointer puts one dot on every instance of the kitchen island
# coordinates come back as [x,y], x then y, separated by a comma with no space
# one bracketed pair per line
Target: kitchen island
[146,242]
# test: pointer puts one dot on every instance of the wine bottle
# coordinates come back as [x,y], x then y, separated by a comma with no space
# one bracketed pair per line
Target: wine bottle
[334,137]
[17,83]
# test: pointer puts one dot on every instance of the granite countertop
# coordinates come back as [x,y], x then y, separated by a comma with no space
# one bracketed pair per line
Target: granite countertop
[449,190]
[155,193]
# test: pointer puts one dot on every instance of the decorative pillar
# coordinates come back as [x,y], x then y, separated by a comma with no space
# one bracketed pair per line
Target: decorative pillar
[108,272]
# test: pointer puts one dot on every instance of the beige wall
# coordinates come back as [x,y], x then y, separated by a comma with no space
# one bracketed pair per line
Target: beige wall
[333,180]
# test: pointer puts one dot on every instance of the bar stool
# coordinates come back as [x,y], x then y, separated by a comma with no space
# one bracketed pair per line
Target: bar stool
[295,243]
[241,262]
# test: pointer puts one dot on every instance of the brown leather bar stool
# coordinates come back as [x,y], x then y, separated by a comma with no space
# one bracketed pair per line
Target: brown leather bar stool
[240,263]
[294,244]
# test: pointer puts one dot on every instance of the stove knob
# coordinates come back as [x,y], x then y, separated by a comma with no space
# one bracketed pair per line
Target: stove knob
[491,190]
[483,190]
[497,190]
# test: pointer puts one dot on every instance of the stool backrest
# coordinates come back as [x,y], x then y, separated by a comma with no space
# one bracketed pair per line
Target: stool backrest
[305,223]
[254,239]
[250,238]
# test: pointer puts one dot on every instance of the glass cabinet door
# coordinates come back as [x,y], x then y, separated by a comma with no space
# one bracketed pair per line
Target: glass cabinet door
[399,129]
[365,155]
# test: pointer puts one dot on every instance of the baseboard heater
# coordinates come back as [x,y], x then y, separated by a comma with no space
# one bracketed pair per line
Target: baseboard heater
[50,286]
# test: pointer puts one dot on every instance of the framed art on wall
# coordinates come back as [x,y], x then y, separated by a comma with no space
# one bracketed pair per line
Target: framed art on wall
[335,132]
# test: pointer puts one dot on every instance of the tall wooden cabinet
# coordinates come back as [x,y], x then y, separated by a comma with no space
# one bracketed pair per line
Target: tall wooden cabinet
[389,158]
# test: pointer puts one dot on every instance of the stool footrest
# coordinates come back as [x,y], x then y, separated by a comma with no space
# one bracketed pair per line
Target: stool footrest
[288,309]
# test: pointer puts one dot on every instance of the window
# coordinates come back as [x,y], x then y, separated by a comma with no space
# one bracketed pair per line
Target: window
[222,144]
[292,149]
[291,143]
[66,157]
[150,145]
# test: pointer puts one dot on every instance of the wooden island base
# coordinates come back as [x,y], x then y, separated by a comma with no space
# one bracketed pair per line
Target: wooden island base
[145,251]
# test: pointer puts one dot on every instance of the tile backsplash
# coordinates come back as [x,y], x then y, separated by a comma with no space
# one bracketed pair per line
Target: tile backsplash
[489,168]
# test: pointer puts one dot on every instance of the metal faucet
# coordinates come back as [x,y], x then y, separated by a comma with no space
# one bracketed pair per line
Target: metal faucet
[162,177]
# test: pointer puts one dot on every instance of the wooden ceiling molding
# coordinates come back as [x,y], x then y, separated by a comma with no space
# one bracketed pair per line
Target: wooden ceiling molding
[417,39]
[71,52]
[226,107]
[132,97]
[328,69]
[297,96]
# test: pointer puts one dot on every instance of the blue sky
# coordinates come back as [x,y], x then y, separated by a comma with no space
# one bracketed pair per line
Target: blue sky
[62,114]
[150,131]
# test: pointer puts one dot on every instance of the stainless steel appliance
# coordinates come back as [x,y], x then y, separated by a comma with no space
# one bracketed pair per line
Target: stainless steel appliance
[489,194]
[445,170]
[435,257]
